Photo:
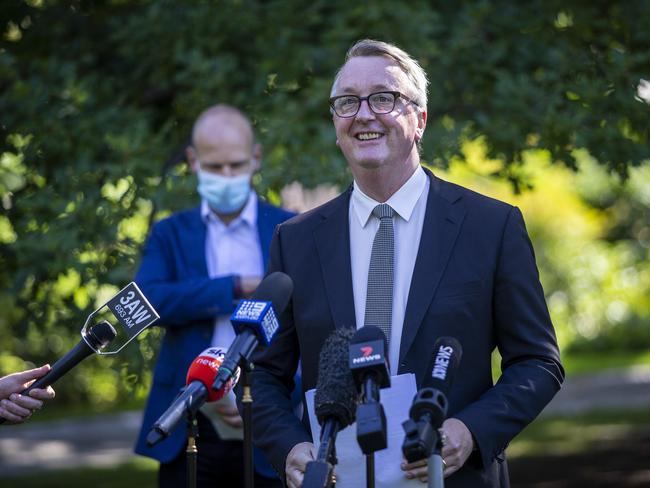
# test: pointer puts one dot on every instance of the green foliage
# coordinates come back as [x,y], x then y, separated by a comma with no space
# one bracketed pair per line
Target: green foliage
[592,242]
[97,98]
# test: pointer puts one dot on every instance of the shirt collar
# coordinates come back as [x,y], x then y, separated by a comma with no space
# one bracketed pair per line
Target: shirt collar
[402,201]
[248,215]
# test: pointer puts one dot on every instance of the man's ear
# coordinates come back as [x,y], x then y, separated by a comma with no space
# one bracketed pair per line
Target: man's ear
[192,159]
[422,124]
[257,157]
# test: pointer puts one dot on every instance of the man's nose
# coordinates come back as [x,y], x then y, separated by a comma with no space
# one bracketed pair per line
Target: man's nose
[226,170]
[365,112]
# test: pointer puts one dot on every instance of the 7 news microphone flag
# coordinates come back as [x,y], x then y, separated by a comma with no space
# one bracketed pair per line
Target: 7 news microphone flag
[369,368]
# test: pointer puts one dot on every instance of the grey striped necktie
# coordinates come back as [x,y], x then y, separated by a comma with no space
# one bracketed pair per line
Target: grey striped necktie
[379,298]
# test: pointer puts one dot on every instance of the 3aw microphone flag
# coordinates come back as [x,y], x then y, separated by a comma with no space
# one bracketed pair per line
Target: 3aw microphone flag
[132,312]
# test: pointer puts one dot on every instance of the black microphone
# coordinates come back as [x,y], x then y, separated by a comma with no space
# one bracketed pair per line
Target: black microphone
[255,321]
[95,338]
[335,404]
[370,372]
[429,408]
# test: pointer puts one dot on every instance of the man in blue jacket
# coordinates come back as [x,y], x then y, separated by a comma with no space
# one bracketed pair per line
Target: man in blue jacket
[195,265]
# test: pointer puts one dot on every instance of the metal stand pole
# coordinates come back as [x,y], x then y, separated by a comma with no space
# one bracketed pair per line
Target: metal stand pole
[320,472]
[370,470]
[247,407]
[434,465]
[434,468]
[192,450]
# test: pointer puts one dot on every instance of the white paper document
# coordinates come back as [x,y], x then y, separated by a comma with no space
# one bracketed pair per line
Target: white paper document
[351,468]
[225,431]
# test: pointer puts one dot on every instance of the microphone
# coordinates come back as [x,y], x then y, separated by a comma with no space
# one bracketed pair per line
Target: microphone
[429,408]
[335,404]
[255,321]
[96,337]
[369,367]
[93,339]
[197,391]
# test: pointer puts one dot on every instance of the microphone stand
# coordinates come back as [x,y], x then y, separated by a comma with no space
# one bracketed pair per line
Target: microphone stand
[319,473]
[370,470]
[247,416]
[192,450]
[423,441]
[434,465]
[372,436]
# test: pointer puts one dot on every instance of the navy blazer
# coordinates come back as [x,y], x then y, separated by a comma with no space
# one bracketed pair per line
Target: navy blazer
[174,277]
[475,279]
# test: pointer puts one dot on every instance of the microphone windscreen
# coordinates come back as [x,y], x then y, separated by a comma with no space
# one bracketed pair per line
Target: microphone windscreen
[99,335]
[205,367]
[445,360]
[336,395]
[275,288]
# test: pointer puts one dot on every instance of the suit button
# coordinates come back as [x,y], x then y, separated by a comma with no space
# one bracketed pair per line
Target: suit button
[402,365]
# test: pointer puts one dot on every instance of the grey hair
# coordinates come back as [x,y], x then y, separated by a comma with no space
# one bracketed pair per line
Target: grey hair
[411,68]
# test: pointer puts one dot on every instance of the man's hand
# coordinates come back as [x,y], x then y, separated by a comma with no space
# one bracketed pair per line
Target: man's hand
[458,444]
[16,407]
[229,414]
[297,460]
[248,284]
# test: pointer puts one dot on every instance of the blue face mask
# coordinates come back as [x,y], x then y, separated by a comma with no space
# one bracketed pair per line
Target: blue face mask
[224,194]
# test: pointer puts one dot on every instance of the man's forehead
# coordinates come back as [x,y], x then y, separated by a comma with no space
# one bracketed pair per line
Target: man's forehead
[370,73]
[222,127]
[223,149]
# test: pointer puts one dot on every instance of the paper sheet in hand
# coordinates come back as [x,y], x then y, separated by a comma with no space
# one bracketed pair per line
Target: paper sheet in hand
[225,431]
[351,468]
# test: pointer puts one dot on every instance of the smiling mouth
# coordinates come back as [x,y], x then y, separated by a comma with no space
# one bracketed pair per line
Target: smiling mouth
[369,136]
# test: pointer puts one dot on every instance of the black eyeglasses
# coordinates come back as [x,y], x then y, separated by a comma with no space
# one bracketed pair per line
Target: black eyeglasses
[379,103]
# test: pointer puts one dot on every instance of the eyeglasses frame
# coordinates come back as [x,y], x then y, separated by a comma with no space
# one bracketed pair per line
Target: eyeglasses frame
[395,94]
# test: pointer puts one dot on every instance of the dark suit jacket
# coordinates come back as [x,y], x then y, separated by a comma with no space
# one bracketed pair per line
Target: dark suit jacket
[475,279]
[174,277]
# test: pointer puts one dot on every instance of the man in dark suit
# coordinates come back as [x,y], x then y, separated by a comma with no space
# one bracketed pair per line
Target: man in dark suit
[195,265]
[462,266]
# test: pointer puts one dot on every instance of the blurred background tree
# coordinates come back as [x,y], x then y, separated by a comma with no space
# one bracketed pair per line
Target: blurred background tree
[97,99]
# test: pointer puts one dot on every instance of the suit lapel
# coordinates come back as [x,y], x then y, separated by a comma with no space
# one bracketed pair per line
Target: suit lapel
[194,246]
[442,222]
[265,228]
[332,239]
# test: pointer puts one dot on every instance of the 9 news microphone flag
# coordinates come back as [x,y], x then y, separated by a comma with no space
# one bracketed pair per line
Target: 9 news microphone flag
[255,321]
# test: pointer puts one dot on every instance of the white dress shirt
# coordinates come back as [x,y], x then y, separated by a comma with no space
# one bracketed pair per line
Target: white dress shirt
[232,249]
[409,203]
